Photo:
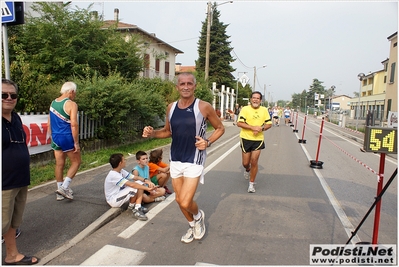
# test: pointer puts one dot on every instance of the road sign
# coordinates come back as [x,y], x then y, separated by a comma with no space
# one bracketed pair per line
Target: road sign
[7,12]
[244,80]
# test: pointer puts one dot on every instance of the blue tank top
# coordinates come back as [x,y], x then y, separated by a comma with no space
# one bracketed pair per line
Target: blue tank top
[185,124]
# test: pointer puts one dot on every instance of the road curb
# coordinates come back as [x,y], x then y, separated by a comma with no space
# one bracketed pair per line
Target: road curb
[97,224]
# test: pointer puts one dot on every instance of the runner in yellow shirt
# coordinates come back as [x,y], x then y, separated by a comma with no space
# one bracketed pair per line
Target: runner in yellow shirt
[253,120]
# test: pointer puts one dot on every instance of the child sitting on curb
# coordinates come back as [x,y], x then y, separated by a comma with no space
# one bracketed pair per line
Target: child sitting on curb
[141,174]
[119,188]
[159,171]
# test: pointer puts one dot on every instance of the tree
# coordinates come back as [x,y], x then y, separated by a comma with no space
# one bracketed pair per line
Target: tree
[315,88]
[219,53]
[63,44]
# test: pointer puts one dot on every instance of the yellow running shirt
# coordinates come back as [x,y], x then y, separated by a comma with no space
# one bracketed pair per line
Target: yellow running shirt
[253,117]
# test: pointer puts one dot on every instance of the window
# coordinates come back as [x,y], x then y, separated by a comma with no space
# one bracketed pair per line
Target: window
[392,77]
[147,61]
[385,79]
[166,67]
[157,61]
[389,104]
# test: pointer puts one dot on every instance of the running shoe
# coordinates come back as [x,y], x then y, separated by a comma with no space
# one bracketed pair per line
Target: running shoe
[251,188]
[199,227]
[189,236]
[139,215]
[246,175]
[65,192]
[61,197]
[144,209]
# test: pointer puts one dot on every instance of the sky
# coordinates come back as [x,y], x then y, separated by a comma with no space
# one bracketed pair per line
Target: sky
[332,41]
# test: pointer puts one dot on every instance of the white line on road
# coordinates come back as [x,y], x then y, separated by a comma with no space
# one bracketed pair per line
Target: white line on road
[348,227]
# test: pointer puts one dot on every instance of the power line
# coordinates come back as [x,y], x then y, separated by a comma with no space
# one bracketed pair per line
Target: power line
[240,60]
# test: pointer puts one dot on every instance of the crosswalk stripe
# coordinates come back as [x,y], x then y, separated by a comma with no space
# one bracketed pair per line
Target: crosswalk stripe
[115,256]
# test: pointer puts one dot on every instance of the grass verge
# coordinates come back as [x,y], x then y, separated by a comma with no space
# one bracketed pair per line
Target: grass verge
[43,174]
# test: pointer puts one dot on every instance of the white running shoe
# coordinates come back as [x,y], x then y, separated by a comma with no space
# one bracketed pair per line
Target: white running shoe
[199,227]
[61,197]
[251,188]
[189,236]
[246,175]
[65,192]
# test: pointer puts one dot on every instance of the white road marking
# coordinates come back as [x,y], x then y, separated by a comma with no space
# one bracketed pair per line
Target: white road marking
[348,227]
[115,256]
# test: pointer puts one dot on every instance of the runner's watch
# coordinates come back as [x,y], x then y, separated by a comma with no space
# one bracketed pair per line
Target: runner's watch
[209,142]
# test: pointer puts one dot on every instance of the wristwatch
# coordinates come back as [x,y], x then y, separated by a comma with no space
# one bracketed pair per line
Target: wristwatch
[209,142]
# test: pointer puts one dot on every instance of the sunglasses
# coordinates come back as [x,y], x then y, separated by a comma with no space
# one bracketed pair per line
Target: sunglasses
[12,95]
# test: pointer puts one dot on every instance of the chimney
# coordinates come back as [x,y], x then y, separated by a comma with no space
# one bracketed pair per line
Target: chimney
[116,14]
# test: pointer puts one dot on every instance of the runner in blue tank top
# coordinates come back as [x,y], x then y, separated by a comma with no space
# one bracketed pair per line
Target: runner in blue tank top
[186,124]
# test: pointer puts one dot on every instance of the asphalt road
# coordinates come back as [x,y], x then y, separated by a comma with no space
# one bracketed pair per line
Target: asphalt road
[294,206]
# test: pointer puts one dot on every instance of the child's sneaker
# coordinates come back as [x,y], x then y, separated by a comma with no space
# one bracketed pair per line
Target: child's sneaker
[139,215]
[161,198]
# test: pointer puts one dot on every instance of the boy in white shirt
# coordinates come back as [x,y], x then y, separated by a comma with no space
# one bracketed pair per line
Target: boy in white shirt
[119,190]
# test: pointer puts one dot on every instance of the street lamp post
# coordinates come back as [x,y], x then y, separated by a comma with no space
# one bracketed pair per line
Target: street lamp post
[329,96]
[208,35]
[360,76]
[264,66]
[264,95]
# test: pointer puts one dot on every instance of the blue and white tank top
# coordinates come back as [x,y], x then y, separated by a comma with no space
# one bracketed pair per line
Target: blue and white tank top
[185,124]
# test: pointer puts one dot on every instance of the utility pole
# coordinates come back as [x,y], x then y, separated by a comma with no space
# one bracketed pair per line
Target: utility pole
[208,40]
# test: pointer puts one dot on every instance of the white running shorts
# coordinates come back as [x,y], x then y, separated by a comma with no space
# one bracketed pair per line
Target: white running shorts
[188,170]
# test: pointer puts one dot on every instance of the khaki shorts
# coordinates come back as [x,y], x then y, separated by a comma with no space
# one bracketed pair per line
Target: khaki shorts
[13,204]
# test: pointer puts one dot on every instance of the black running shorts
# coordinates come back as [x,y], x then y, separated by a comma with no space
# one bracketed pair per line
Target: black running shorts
[250,145]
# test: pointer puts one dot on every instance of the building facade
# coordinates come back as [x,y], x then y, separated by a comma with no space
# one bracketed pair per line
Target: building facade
[378,90]
[159,57]
[391,101]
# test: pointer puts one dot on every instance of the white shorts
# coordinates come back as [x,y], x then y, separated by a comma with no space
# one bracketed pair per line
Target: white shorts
[122,197]
[188,170]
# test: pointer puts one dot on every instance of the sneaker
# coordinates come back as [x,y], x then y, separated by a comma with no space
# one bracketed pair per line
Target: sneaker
[144,209]
[70,190]
[61,197]
[199,227]
[17,233]
[167,190]
[158,199]
[139,215]
[65,192]
[251,188]
[189,236]
[246,175]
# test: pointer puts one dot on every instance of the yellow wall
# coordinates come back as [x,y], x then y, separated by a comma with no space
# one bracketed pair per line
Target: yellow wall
[392,88]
